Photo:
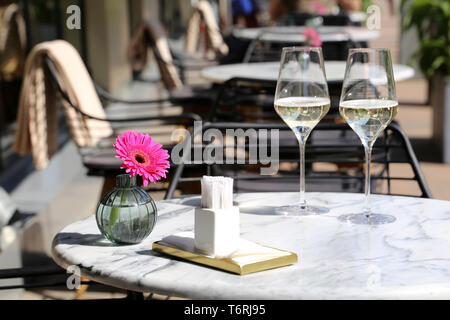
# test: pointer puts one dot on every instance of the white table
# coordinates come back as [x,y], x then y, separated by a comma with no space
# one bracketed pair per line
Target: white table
[293,34]
[269,71]
[357,16]
[407,259]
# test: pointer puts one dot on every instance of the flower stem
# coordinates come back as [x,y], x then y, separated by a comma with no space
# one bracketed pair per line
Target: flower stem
[115,210]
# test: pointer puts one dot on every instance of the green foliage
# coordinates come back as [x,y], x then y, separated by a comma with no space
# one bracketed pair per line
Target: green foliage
[366,4]
[431,19]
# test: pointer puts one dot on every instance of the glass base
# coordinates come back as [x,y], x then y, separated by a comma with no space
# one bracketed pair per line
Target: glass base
[297,210]
[363,218]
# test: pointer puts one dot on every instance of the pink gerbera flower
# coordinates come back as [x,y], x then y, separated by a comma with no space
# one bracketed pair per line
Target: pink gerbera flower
[320,9]
[312,37]
[142,156]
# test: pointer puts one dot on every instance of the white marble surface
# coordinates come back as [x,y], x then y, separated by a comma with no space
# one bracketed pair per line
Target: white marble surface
[334,70]
[294,35]
[408,259]
[357,16]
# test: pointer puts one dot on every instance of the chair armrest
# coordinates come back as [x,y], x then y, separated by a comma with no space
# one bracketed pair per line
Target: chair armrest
[173,119]
[107,96]
[170,118]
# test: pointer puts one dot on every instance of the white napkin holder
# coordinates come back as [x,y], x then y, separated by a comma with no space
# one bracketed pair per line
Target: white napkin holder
[217,231]
[217,223]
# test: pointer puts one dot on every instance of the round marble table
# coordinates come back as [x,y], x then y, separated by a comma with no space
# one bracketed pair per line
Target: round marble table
[293,34]
[408,259]
[334,70]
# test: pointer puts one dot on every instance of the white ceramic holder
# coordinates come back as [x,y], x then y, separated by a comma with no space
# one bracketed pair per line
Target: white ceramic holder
[217,231]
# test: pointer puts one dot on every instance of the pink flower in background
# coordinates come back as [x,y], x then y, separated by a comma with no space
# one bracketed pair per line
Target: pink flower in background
[312,37]
[142,156]
[320,9]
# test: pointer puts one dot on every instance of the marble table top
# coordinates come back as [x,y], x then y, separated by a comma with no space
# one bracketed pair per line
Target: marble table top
[408,259]
[293,34]
[358,16]
[334,70]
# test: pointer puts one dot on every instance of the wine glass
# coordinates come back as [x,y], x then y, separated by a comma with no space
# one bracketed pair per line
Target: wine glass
[368,104]
[301,100]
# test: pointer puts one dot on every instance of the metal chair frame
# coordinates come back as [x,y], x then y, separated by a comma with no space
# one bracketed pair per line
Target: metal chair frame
[263,50]
[239,92]
[342,154]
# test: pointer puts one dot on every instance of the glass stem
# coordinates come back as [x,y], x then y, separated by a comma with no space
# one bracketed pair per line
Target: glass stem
[368,152]
[302,174]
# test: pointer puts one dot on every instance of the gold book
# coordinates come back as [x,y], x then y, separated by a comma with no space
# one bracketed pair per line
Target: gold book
[250,257]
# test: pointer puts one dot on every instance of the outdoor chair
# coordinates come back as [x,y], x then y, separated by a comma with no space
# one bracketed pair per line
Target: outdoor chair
[12,60]
[56,68]
[260,50]
[100,160]
[201,45]
[244,99]
[13,43]
[240,98]
[330,161]
[214,47]
[247,99]
[151,35]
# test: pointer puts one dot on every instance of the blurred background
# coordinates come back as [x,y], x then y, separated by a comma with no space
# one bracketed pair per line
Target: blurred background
[102,30]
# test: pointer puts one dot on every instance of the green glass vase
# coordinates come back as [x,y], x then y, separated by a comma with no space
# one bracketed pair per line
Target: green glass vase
[126,214]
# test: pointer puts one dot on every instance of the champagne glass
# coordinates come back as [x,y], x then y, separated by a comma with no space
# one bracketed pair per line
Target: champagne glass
[302,100]
[368,104]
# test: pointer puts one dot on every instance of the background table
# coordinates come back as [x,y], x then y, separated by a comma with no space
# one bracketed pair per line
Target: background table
[408,259]
[334,70]
[357,16]
[293,34]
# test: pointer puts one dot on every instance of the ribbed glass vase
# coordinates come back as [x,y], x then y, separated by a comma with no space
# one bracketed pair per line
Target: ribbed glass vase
[126,214]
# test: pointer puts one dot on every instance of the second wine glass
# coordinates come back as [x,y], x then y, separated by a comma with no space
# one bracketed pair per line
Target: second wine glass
[368,104]
[302,100]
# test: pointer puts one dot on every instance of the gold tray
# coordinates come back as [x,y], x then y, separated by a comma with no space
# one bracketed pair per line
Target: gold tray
[272,258]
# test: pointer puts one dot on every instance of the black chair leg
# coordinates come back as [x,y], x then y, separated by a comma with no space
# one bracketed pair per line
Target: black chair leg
[137,296]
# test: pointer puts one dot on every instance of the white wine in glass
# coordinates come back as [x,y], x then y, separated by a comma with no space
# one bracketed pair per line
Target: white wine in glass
[368,118]
[368,104]
[302,114]
[301,100]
